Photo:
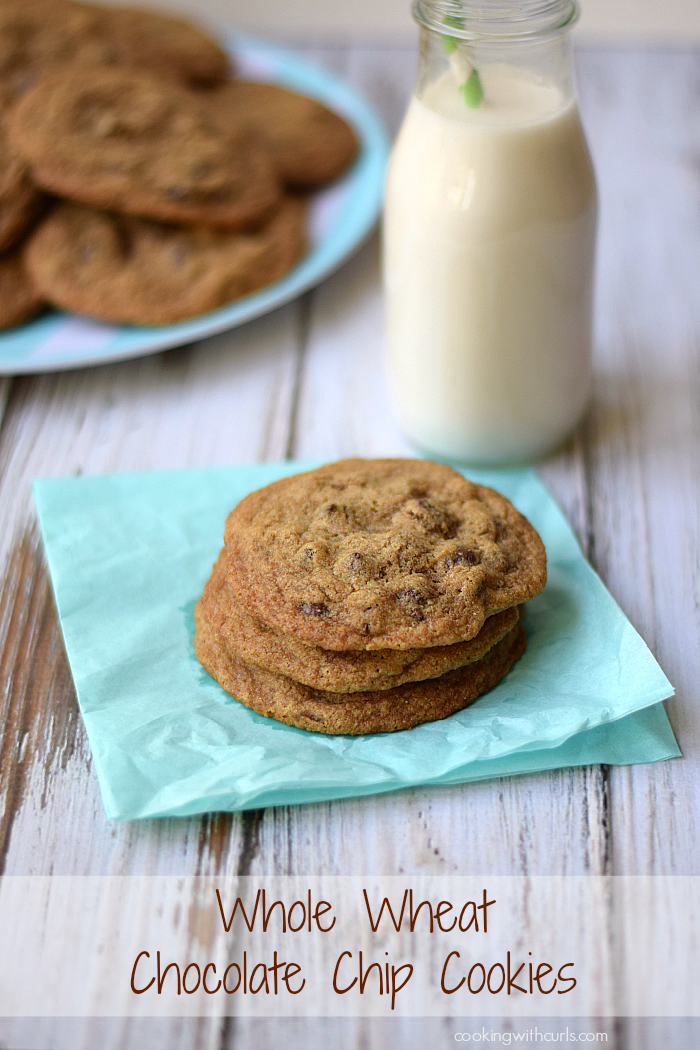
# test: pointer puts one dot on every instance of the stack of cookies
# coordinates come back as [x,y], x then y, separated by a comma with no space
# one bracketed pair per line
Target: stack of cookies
[368,596]
[162,187]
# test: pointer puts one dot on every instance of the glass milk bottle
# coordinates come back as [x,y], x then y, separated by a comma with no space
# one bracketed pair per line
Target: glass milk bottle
[489,235]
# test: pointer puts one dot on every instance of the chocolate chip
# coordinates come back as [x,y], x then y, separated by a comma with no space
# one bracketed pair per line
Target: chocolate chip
[201,170]
[179,252]
[411,594]
[462,556]
[434,519]
[412,599]
[313,608]
[307,558]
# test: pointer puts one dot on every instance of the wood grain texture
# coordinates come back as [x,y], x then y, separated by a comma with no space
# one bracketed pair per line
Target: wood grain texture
[644,432]
[307,382]
[5,384]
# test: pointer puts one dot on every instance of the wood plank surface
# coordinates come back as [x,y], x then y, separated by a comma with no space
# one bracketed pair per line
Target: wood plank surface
[644,431]
[307,382]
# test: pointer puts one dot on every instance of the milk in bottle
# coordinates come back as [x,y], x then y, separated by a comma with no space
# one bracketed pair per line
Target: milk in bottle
[489,238]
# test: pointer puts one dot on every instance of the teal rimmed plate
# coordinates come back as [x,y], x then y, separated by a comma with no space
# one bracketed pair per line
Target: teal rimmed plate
[341,217]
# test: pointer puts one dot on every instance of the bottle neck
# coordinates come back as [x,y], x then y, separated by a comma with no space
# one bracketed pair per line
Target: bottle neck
[496,20]
[471,41]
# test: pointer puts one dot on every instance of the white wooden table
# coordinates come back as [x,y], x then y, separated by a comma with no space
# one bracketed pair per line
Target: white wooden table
[307,381]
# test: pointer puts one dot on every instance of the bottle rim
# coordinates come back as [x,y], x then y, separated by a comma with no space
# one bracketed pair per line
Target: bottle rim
[497,20]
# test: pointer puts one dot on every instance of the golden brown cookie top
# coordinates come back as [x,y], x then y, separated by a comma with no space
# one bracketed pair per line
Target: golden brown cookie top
[311,145]
[381,554]
[125,141]
[132,271]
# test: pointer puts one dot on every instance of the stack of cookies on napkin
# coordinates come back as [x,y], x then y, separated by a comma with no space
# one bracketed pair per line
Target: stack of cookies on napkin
[368,596]
[179,189]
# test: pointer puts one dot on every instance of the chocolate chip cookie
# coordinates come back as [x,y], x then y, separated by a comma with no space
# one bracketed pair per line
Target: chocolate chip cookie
[19,299]
[354,714]
[380,554]
[20,200]
[166,46]
[131,271]
[353,671]
[128,142]
[310,144]
[38,35]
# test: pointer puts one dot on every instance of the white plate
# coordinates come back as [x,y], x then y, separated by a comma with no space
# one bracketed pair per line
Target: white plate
[340,218]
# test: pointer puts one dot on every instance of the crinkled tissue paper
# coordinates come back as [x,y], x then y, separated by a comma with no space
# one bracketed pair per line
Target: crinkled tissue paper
[129,555]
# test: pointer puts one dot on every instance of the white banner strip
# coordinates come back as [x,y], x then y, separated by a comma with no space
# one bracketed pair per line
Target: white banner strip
[349,946]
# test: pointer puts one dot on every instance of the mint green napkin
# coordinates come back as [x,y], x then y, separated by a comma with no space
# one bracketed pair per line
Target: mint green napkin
[129,555]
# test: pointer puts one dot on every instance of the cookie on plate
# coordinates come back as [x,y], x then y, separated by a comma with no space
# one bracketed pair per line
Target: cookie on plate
[37,35]
[353,671]
[128,142]
[310,144]
[19,299]
[380,554]
[131,271]
[385,711]
[20,200]
[163,45]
